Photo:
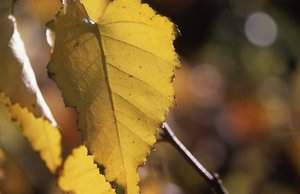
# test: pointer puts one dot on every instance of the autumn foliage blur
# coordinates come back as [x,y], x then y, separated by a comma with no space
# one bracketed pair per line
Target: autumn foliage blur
[238,98]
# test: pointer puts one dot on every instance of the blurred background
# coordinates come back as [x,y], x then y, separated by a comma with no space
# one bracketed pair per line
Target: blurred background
[237,92]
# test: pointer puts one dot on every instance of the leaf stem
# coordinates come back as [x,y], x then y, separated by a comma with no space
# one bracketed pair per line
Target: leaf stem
[213,180]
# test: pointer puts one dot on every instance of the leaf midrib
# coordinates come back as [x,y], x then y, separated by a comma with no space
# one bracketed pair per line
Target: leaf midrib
[110,93]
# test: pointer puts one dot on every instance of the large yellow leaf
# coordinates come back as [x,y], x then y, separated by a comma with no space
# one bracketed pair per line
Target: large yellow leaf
[95,8]
[118,74]
[81,176]
[43,137]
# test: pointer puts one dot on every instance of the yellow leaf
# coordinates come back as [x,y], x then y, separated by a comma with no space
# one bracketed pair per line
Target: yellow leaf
[43,137]
[95,8]
[81,176]
[118,74]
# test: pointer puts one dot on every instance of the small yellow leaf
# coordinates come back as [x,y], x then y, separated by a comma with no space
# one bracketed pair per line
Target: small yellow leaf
[43,136]
[118,74]
[80,175]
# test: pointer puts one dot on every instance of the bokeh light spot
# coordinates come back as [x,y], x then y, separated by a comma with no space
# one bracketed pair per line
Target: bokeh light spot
[261,29]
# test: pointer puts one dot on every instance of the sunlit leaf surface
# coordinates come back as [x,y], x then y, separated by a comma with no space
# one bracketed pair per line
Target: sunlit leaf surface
[118,75]
[81,176]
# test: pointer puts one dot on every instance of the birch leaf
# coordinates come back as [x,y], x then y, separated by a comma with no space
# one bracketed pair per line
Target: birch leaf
[118,74]
[81,176]
[43,137]
[95,8]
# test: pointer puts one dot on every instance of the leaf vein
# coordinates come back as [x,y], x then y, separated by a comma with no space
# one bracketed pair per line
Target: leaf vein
[152,119]
[88,67]
[134,46]
[139,137]
[144,82]
[111,99]
[84,42]
[131,22]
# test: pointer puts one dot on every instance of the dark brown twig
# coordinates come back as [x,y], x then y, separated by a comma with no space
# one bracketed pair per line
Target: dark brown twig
[214,180]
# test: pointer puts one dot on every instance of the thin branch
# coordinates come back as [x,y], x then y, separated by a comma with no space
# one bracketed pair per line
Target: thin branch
[214,180]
